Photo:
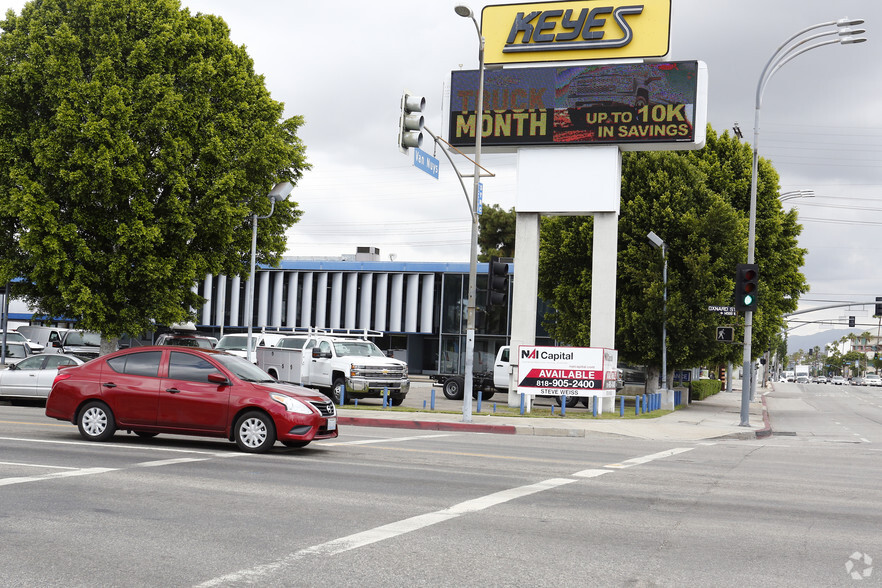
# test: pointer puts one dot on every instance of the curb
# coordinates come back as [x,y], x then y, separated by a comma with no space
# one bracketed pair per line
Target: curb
[766,431]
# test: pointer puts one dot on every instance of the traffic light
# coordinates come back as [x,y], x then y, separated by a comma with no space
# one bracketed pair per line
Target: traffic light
[851,321]
[410,125]
[878,306]
[746,279]
[497,282]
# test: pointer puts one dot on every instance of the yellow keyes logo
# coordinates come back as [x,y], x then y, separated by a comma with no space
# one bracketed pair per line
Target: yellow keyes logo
[575,31]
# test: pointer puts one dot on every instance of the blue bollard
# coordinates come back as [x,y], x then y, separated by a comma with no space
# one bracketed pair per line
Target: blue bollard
[622,406]
[480,397]
[432,398]
[594,405]
[552,409]
[522,403]
[563,406]
[386,402]
[424,405]
[356,402]
[637,405]
[343,395]
[494,407]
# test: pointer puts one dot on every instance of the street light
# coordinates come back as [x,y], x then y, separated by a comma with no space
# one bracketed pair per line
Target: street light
[791,48]
[657,242]
[796,194]
[466,12]
[279,192]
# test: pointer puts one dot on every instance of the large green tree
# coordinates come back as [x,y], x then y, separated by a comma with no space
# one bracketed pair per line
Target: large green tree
[136,143]
[697,202]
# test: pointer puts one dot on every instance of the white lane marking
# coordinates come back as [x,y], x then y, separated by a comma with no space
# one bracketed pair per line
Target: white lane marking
[36,465]
[590,473]
[259,573]
[333,547]
[83,472]
[865,440]
[648,458]
[112,445]
[390,439]
[165,462]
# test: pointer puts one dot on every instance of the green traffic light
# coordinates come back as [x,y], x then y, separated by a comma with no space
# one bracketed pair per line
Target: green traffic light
[748,300]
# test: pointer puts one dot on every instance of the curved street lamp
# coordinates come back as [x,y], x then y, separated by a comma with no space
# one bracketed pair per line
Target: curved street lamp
[793,194]
[280,192]
[796,45]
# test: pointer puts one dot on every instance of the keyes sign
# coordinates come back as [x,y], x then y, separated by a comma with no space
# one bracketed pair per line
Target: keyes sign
[576,30]
[567,371]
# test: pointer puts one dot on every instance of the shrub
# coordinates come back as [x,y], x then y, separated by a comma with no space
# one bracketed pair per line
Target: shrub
[701,389]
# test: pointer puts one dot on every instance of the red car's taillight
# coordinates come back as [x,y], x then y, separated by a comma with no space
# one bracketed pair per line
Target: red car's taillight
[60,377]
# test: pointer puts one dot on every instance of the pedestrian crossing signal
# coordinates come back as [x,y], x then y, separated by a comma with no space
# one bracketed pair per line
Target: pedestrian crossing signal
[725,334]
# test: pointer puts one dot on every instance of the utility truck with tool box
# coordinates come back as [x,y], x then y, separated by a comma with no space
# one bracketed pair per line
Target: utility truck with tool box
[345,365]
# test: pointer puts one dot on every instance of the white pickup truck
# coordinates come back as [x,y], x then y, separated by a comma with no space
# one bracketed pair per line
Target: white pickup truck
[329,363]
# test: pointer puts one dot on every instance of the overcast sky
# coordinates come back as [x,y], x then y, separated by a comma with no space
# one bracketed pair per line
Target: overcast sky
[343,66]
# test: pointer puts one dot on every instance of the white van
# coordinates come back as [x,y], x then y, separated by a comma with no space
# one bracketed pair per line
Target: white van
[43,336]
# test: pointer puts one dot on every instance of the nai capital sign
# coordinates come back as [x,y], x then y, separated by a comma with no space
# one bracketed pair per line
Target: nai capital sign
[576,30]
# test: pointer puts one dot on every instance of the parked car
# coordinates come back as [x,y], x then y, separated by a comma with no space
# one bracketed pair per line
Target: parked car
[186,340]
[32,377]
[838,380]
[16,337]
[83,344]
[872,380]
[821,379]
[16,351]
[188,391]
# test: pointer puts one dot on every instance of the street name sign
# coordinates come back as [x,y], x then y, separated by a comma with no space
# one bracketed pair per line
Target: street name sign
[724,310]
[425,162]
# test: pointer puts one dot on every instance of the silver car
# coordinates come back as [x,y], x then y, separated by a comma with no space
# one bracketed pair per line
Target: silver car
[32,377]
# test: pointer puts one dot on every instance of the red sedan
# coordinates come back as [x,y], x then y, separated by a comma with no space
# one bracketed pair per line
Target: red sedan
[188,391]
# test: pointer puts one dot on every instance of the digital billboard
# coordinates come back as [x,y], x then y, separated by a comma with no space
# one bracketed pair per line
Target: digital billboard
[636,105]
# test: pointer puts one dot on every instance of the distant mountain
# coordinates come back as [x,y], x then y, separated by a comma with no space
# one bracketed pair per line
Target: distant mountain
[806,342]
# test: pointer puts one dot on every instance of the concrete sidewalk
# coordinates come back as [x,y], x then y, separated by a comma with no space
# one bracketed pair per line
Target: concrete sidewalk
[712,418]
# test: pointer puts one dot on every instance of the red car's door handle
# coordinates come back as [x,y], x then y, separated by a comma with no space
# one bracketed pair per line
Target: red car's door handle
[109,385]
[172,390]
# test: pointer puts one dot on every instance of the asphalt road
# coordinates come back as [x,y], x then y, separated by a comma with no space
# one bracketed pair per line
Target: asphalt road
[383,507]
